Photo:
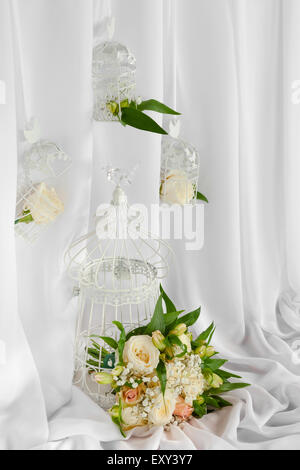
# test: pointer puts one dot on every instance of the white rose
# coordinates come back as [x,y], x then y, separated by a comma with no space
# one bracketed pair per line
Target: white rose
[162,409]
[141,353]
[44,204]
[186,341]
[131,417]
[176,188]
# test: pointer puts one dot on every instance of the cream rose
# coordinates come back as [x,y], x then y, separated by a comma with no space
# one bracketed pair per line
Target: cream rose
[162,409]
[193,388]
[44,204]
[176,188]
[131,417]
[141,353]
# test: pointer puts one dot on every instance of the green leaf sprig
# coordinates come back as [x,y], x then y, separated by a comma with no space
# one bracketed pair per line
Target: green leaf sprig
[131,113]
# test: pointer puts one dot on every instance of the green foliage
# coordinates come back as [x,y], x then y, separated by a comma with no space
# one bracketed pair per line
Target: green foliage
[122,339]
[154,105]
[168,302]
[135,118]
[162,375]
[199,409]
[201,197]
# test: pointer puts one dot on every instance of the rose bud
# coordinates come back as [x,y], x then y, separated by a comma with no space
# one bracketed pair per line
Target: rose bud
[210,351]
[179,329]
[201,351]
[200,400]
[217,381]
[158,340]
[103,378]
[114,411]
[117,370]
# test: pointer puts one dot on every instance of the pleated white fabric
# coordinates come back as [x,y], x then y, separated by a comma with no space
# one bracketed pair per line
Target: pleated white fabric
[228,66]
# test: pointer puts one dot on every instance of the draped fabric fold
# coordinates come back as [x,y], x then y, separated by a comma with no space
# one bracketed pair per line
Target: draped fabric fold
[229,68]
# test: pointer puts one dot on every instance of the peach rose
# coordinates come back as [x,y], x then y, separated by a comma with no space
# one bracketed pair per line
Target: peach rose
[132,396]
[182,409]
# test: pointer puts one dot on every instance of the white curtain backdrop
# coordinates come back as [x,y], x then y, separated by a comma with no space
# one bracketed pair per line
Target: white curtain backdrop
[228,66]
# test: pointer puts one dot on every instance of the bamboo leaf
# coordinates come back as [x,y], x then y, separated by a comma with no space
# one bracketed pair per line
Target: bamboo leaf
[201,197]
[157,321]
[122,339]
[154,105]
[135,118]
[203,336]
[162,375]
[110,341]
[227,387]
[199,410]
[168,302]
[214,364]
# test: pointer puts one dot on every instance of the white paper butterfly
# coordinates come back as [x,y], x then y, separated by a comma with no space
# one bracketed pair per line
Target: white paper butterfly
[174,128]
[105,28]
[32,132]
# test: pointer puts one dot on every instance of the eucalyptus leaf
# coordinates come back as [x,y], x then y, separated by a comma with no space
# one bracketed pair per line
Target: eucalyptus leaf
[135,118]
[154,105]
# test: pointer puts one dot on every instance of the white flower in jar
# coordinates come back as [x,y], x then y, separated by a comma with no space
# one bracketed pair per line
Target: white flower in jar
[176,188]
[44,204]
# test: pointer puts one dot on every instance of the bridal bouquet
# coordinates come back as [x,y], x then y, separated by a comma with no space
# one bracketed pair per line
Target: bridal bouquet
[162,375]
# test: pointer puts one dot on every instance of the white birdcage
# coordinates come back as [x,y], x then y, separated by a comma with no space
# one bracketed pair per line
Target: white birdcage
[118,268]
[113,79]
[38,203]
[179,169]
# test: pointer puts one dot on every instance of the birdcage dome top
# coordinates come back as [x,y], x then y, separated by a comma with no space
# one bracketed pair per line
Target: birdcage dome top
[112,54]
[177,153]
[119,262]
